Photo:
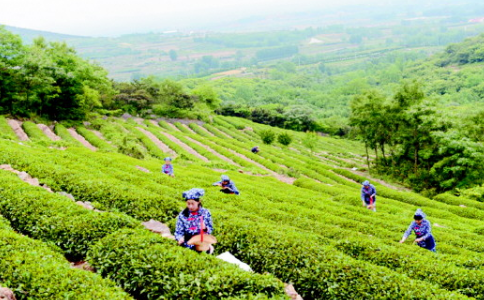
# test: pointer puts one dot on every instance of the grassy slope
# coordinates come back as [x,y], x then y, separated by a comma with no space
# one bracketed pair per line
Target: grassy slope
[323,206]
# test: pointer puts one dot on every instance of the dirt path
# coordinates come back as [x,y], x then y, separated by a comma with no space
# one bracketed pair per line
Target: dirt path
[138,121]
[48,132]
[24,176]
[100,135]
[280,177]
[172,126]
[205,130]
[17,128]
[188,128]
[330,162]
[224,134]
[348,160]
[388,185]
[184,146]
[295,150]
[154,123]
[158,143]
[225,158]
[81,139]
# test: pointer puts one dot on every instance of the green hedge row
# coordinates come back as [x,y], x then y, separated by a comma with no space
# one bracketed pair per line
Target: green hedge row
[276,197]
[6,132]
[318,271]
[32,270]
[416,199]
[242,162]
[35,133]
[152,148]
[54,218]
[151,267]
[183,154]
[94,140]
[182,128]
[64,134]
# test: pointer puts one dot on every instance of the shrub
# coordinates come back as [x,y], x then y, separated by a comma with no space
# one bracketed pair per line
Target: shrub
[284,139]
[268,136]
[310,141]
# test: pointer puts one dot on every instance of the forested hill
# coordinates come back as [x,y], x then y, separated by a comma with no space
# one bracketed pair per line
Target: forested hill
[432,125]
[28,35]
[425,114]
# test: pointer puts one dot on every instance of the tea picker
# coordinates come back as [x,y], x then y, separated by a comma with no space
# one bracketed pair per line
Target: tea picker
[194,224]
[423,231]
[368,195]
[227,186]
[167,168]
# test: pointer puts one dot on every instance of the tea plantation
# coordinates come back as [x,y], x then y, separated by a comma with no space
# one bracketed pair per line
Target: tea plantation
[298,219]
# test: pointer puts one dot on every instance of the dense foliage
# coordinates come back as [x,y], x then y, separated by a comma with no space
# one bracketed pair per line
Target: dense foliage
[48,79]
[425,147]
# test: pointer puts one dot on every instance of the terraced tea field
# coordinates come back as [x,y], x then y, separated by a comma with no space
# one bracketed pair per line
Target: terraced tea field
[298,218]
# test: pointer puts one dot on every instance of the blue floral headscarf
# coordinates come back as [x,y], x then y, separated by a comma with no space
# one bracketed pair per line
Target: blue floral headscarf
[420,213]
[193,194]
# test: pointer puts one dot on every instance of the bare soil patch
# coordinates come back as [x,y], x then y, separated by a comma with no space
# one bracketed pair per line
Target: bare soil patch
[188,128]
[81,139]
[225,158]
[17,128]
[157,142]
[48,132]
[184,146]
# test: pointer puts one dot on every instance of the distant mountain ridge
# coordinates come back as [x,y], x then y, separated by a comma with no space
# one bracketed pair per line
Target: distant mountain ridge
[29,34]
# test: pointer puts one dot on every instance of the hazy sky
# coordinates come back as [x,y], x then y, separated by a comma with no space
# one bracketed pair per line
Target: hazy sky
[114,17]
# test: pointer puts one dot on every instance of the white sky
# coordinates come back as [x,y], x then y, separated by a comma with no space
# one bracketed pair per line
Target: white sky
[114,17]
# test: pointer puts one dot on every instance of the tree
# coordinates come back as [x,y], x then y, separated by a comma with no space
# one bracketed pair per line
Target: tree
[244,92]
[12,53]
[368,115]
[173,55]
[298,118]
[459,163]
[207,94]
[49,80]
[173,94]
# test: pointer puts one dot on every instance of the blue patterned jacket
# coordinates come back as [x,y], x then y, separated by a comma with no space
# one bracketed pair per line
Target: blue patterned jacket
[230,185]
[167,169]
[423,230]
[366,193]
[188,224]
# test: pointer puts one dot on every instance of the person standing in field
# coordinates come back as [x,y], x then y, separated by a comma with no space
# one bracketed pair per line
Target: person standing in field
[368,195]
[168,167]
[423,231]
[255,149]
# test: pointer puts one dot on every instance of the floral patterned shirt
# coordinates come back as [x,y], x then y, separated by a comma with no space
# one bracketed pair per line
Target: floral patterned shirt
[187,226]
[423,230]
[167,169]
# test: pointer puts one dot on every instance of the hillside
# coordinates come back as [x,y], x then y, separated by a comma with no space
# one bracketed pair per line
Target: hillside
[332,37]
[297,220]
